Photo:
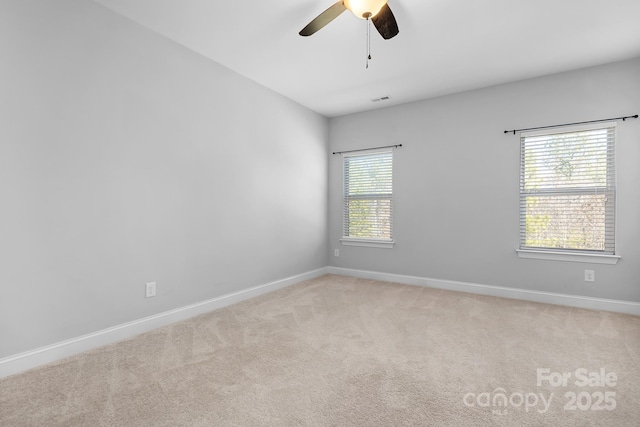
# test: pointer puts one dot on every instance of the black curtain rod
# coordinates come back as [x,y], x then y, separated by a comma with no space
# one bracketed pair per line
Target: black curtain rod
[367,149]
[576,123]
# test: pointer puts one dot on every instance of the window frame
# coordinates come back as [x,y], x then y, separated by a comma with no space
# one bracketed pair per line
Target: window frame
[561,254]
[359,241]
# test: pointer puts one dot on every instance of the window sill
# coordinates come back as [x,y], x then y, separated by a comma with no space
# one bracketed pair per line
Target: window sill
[368,243]
[568,256]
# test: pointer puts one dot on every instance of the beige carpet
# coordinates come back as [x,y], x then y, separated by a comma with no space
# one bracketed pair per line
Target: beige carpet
[340,351]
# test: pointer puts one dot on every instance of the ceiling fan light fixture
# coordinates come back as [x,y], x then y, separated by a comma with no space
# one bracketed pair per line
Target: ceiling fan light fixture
[364,9]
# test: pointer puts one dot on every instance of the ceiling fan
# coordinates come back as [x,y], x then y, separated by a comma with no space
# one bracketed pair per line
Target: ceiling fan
[377,11]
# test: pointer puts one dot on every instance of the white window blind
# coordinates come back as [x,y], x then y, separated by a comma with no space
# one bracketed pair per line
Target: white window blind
[368,192]
[567,190]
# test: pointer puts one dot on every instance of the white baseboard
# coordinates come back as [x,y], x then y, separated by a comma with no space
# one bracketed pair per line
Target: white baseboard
[626,307]
[51,353]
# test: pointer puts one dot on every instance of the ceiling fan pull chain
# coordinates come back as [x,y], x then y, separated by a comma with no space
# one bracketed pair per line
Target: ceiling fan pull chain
[368,40]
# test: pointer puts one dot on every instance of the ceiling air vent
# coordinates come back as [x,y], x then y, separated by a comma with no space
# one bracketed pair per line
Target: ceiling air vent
[384,98]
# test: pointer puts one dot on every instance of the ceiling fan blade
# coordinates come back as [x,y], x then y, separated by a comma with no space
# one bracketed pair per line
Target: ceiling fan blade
[386,23]
[324,18]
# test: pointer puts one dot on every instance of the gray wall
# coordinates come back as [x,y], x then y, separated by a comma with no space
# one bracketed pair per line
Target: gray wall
[456,182]
[126,158]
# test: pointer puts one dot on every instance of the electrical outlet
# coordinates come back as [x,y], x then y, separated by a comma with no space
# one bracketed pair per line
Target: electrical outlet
[589,276]
[150,289]
[336,252]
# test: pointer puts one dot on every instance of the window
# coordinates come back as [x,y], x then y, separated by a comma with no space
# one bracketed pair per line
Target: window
[368,192]
[568,191]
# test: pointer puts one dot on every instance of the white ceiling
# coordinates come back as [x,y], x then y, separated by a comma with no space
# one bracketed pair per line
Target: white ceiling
[444,46]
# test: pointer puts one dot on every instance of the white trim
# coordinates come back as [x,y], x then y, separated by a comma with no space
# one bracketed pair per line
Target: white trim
[21,362]
[30,359]
[568,256]
[627,307]
[370,243]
